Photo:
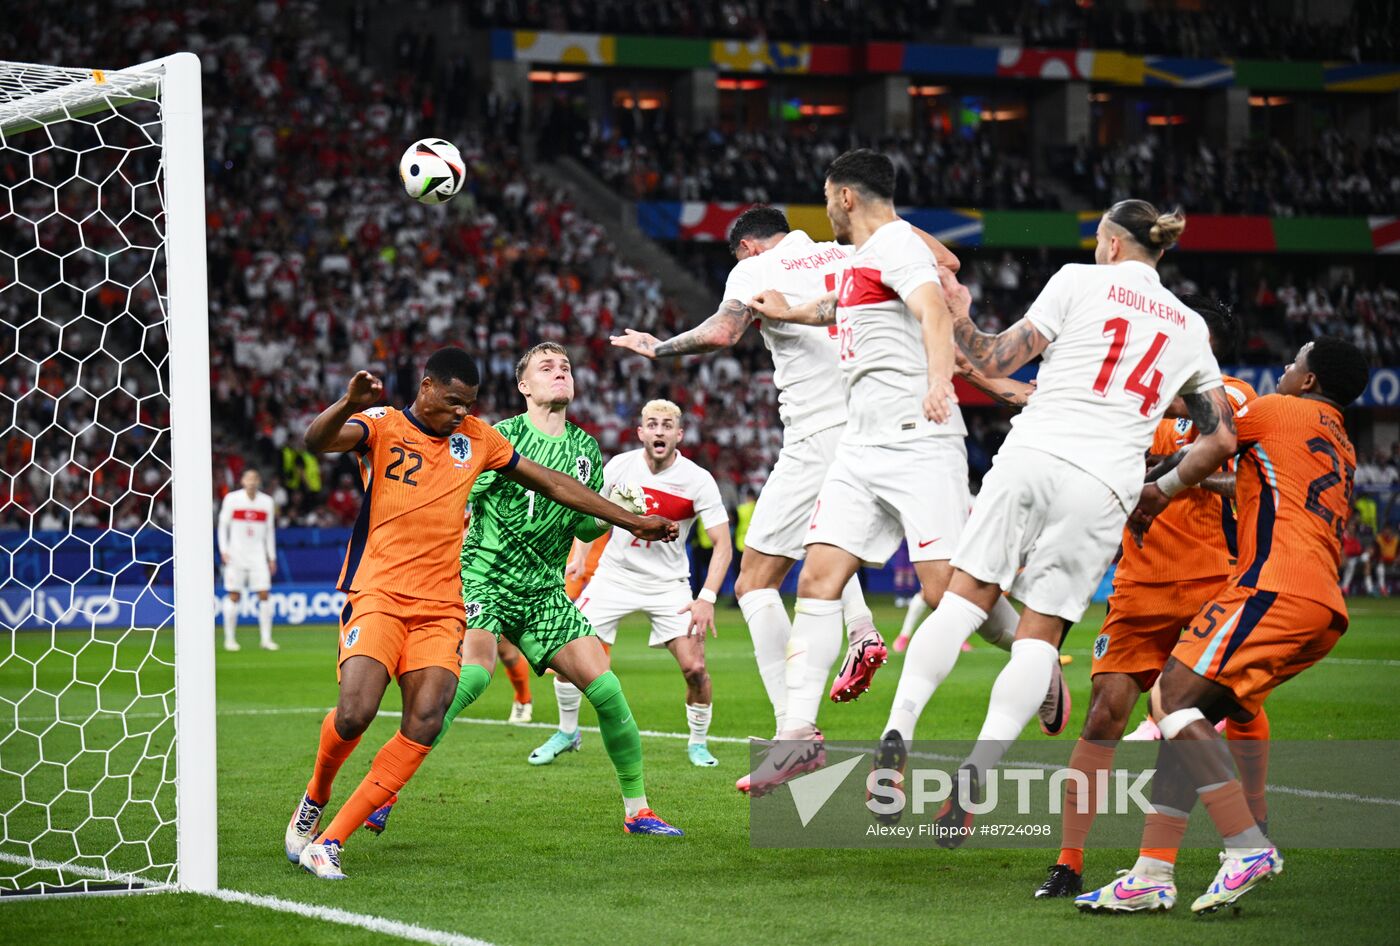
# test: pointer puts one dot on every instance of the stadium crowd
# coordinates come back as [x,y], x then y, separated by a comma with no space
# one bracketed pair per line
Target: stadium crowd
[1198,30]
[1168,27]
[963,170]
[1333,175]
[312,276]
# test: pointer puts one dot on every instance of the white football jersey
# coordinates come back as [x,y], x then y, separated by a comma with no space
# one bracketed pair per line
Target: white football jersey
[681,492]
[247,527]
[804,356]
[1121,348]
[882,342]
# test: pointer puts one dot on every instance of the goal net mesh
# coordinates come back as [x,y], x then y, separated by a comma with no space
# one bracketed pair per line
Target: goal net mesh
[87,677]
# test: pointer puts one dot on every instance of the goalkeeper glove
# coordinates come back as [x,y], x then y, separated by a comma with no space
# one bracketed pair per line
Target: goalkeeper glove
[630,497]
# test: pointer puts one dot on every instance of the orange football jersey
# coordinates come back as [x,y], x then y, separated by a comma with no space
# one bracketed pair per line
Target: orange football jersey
[407,538]
[1195,537]
[1293,489]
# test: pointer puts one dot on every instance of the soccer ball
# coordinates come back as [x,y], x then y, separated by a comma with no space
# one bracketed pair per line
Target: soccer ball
[431,170]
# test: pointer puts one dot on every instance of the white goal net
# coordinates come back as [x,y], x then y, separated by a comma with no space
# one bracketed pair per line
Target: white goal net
[106,661]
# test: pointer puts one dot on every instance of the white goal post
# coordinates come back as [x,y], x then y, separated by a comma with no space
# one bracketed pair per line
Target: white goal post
[107,741]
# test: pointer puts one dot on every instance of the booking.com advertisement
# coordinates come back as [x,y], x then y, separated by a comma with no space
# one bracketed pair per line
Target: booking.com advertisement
[987,795]
[63,606]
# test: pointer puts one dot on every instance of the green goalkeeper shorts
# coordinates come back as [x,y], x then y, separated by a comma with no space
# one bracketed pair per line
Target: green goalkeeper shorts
[539,623]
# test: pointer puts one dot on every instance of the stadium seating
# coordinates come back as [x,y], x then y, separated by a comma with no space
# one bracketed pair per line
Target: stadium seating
[318,266]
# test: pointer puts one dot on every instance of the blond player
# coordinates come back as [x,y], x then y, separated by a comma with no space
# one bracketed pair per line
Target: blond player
[806,361]
[248,547]
[653,578]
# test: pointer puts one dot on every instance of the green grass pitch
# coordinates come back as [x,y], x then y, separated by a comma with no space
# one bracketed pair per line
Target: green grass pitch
[484,845]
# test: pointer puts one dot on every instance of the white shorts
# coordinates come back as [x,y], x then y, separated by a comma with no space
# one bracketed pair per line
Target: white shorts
[605,602]
[1044,530]
[783,512]
[874,496]
[247,576]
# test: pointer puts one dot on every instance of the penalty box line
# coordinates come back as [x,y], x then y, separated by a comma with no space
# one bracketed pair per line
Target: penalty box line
[741,740]
[729,740]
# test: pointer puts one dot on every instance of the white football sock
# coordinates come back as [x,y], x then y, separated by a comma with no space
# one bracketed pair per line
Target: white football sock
[230,620]
[859,621]
[634,805]
[814,647]
[1154,868]
[1016,695]
[265,620]
[999,629]
[697,715]
[918,607]
[568,697]
[770,629]
[931,656]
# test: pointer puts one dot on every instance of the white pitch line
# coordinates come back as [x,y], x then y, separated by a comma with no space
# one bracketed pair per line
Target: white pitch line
[364,921]
[79,870]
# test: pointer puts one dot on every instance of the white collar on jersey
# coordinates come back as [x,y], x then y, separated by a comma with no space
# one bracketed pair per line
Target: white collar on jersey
[1139,264]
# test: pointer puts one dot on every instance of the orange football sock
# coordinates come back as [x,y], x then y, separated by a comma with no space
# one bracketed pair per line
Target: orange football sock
[1161,836]
[393,766]
[330,756]
[519,673]
[1249,744]
[1089,758]
[1228,809]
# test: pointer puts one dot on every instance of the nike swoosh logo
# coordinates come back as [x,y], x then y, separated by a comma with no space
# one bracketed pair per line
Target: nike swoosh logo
[1236,881]
[795,756]
[929,542]
[1125,893]
[414,442]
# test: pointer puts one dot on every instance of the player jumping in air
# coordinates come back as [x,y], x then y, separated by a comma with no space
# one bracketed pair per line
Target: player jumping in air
[1158,587]
[900,471]
[512,567]
[248,547]
[1281,612]
[1118,347]
[403,617]
[770,255]
[654,578]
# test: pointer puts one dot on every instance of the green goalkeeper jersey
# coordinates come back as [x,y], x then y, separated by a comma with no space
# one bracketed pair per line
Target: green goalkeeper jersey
[517,539]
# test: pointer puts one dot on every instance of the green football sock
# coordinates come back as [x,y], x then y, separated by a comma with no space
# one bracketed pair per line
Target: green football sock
[620,735]
[470,685]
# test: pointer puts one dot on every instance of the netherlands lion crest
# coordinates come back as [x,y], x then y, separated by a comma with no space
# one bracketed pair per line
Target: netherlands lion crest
[585,470]
[1183,424]
[461,447]
[375,411]
[1100,646]
[352,637]
[473,610]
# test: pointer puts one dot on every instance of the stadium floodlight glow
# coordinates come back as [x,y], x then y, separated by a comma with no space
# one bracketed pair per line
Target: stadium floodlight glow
[107,751]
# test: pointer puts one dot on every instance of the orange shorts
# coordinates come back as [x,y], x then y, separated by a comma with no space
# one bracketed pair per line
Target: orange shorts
[1250,641]
[402,633]
[573,587]
[1144,623]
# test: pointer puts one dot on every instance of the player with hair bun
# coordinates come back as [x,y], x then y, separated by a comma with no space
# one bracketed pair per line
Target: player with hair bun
[1117,348]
